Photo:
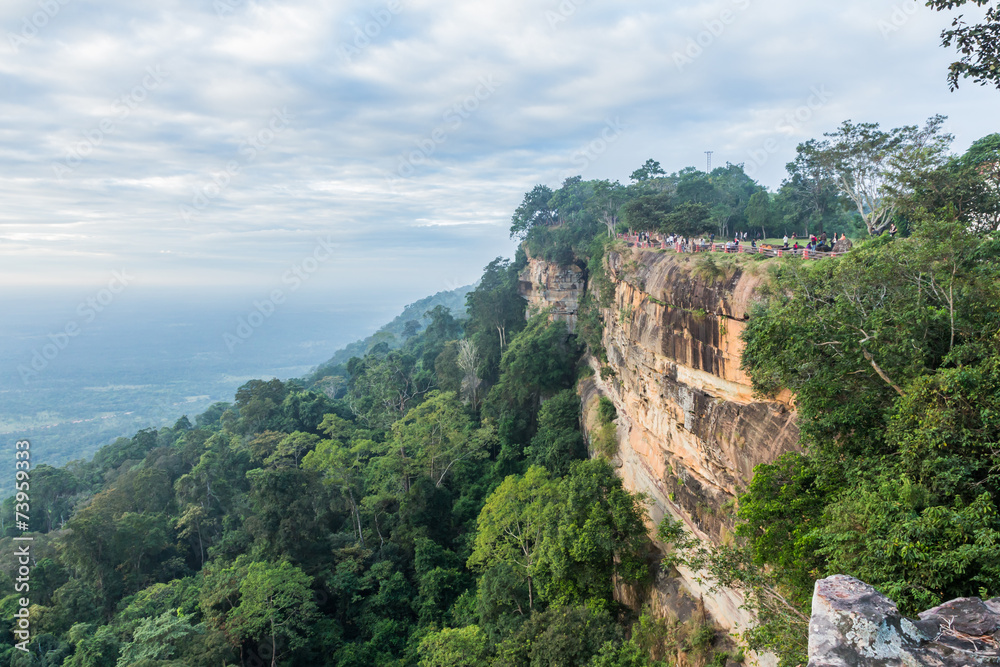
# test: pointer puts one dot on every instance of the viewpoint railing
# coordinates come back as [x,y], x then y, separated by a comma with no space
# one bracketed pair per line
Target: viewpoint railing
[730,247]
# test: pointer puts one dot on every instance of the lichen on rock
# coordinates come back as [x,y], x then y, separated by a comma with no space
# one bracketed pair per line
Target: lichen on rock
[853,625]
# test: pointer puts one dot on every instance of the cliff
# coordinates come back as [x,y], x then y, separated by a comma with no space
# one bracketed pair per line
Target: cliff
[555,287]
[689,428]
[690,432]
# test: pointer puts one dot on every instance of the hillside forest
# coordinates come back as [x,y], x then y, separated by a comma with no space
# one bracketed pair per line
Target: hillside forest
[434,502]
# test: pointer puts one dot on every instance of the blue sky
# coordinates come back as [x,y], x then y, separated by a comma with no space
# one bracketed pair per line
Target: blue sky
[210,143]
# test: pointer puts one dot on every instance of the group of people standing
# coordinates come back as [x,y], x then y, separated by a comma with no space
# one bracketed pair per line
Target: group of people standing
[820,243]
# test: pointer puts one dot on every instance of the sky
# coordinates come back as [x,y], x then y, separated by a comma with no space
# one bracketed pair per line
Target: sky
[376,150]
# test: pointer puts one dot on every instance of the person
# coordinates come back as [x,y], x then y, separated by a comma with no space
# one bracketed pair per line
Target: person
[785,240]
[796,246]
[753,243]
[892,230]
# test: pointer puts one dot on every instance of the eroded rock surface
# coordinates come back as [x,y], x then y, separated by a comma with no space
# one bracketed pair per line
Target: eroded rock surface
[559,288]
[689,429]
[853,625]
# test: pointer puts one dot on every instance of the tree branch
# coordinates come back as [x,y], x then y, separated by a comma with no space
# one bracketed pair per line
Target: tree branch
[881,373]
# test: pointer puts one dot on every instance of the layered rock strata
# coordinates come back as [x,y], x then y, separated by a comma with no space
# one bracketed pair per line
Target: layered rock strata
[689,429]
[557,288]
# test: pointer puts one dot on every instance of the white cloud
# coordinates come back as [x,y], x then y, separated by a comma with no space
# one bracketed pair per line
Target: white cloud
[563,74]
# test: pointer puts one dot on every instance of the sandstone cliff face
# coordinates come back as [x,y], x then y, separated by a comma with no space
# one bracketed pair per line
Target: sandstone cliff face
[690,432]
[558,288]
[689,429]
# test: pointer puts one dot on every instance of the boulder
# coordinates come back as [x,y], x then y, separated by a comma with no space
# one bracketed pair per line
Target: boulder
[853,625]
[843,245]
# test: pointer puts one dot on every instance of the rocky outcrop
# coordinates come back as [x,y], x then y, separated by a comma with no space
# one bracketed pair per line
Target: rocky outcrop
[853,624]
[558,288]
[690,430]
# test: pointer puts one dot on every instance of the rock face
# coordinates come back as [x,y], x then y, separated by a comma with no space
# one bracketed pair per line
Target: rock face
[689,428]
[853,624]
[559,288]
[690,432]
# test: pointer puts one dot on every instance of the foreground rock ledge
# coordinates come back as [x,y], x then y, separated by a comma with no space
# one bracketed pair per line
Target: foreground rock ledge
[853,625]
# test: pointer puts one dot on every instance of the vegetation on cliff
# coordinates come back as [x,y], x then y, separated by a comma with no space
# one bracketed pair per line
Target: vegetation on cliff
[434,505]
[893,355]
[431,502]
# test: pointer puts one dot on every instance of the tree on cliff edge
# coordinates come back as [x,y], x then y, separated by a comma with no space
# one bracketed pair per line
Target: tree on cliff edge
[534,210]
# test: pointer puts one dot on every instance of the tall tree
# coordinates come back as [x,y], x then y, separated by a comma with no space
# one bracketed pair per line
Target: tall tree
[650,169]
[432,438]
[276,603]
[512,525]
[872,165]
[534,210]
[608,199]
[811,188]
[496,313]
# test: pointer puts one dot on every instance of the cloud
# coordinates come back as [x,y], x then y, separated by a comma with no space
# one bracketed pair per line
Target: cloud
[394,146]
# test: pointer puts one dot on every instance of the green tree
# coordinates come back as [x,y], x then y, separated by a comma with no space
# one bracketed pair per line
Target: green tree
[512,524]
[157,639]
[432,438]
[450,647]
[538,363]
[650,169]
[965,189]
[534,210]
[594,535]
[276,603]
[385,385]
[978,44]
[608,199]
[558,441]
[810,196]
[871,165]
[559,637]
[496,314]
